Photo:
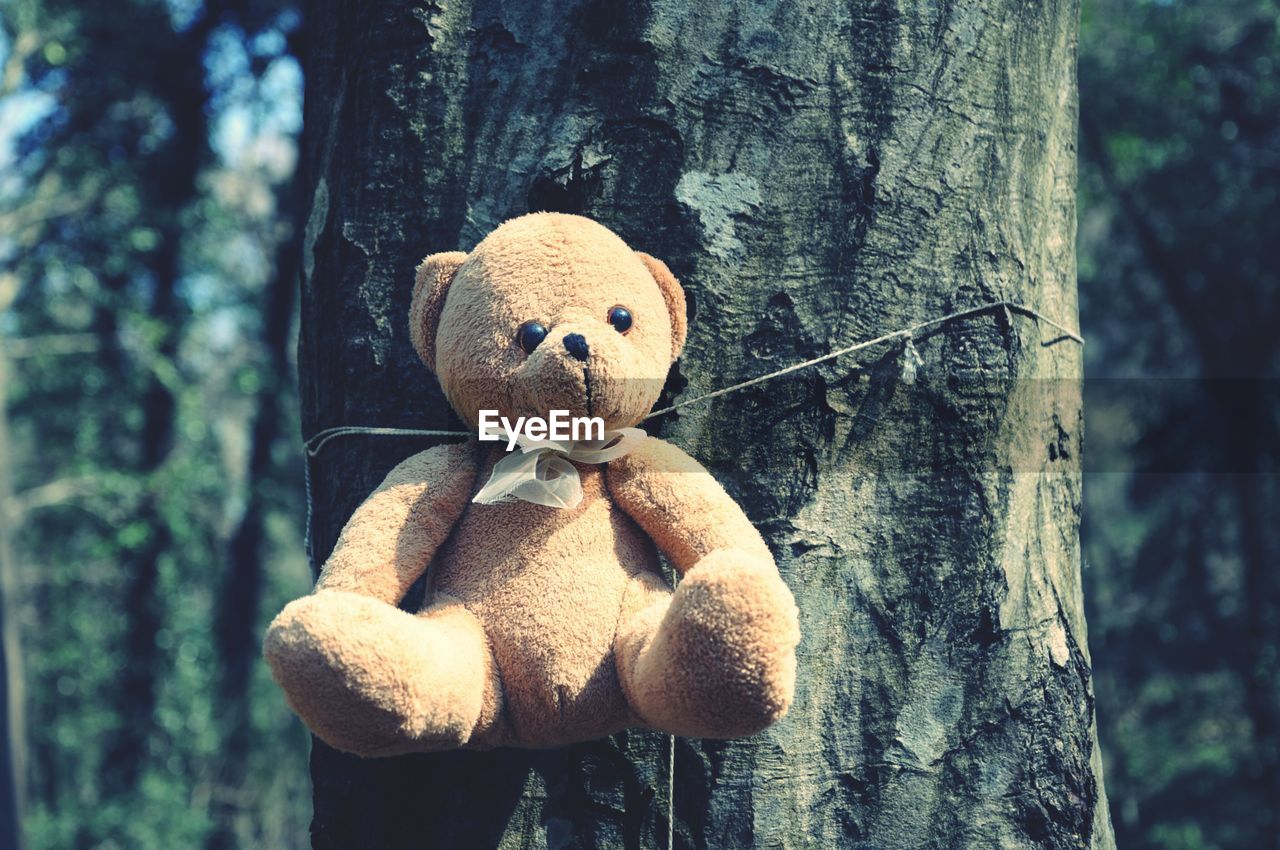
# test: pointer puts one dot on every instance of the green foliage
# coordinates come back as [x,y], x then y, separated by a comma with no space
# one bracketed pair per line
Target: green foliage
[1180,145]
[143,237]
[140,221]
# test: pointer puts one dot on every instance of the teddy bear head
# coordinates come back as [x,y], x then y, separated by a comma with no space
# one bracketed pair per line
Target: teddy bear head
[549,312]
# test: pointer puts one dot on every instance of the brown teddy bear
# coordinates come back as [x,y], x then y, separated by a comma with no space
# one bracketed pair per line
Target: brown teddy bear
[543,625]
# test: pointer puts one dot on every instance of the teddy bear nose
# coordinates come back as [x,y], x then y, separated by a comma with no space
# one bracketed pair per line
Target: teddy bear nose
[576,345]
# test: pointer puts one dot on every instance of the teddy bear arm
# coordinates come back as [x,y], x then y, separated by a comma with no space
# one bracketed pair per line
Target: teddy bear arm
[682,507]
[394,534]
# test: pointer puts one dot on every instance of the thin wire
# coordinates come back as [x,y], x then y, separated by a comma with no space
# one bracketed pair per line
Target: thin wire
[671,757]
[306,486]
[904,333]
[317,441]
[671,792]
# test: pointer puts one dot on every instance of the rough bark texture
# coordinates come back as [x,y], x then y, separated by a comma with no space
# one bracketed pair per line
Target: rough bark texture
[816,173]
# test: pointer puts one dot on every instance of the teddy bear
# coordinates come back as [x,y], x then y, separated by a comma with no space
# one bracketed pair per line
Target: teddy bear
[542,624]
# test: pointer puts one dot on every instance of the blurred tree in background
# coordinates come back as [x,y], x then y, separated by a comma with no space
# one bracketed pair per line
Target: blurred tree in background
[146,245]
[1180,169]
[148,235]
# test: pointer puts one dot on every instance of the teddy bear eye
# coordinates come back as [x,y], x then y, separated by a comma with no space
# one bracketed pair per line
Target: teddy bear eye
[530,335]
[620,318]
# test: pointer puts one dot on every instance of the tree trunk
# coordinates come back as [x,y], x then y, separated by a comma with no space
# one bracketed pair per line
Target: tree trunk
[816,174]
[172,176]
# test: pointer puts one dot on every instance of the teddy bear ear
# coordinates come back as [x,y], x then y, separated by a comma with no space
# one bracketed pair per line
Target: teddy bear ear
[674,295]
[430,285]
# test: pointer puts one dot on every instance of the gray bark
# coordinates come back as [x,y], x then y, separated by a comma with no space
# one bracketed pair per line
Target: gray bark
[815,173]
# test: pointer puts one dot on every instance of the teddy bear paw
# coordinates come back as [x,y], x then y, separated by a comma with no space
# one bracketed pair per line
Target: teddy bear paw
[722,663]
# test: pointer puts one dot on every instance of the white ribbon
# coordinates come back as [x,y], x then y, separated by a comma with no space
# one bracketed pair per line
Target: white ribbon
[541,471]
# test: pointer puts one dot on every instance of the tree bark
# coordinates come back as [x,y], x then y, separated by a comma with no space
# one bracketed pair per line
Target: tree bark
[816,174]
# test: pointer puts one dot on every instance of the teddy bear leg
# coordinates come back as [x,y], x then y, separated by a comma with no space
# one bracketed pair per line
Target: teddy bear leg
[373,680]
[717,658]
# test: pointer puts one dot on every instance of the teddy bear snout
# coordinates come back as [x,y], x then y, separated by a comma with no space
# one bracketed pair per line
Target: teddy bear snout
[576,345]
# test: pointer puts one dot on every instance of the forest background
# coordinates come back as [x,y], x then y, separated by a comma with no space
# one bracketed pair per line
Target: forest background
[151,500]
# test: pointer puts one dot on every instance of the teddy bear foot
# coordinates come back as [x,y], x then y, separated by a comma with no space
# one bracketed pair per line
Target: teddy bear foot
[373,680]
[716,660]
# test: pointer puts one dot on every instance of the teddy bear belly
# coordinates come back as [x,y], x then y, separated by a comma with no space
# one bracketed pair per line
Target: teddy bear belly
[549,587]
[561,688]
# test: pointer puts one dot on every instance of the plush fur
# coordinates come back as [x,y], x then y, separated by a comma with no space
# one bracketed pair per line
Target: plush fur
[542,626]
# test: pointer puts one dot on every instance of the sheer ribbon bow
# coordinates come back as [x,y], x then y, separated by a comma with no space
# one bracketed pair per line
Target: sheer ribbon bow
[540,471]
